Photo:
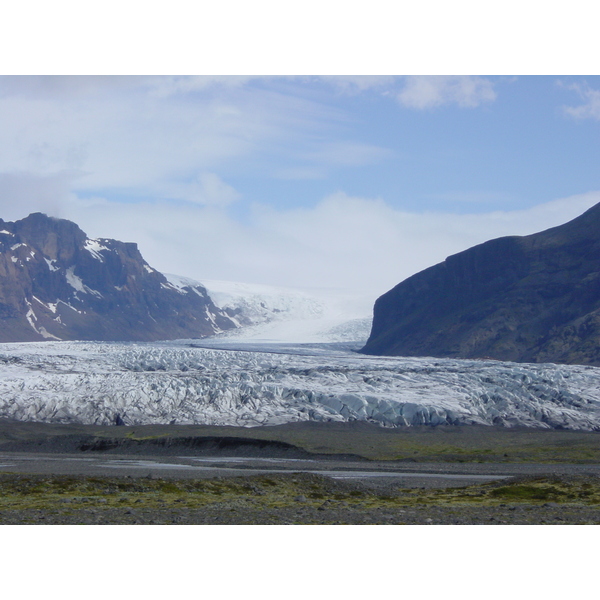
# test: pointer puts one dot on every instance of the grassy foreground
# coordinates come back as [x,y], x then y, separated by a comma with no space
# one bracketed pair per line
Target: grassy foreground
[291,499]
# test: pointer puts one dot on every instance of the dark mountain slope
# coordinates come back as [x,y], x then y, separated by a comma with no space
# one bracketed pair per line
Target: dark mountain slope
[55,283]
[530,299]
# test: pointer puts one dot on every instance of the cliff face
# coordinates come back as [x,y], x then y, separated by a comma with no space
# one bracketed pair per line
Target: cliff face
[529,299]
[56,283]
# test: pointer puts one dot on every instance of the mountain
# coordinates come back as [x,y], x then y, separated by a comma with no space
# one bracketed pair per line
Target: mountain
[527,299]
[57,284]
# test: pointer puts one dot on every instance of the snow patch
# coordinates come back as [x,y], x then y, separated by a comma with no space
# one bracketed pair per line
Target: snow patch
[50,264]
[171,287]
[71,307]
[15,246]
[45,334]
[32,319]
[77,284]
[30,316]
[94,247]
[7,232]
[50,307]
[180,282]
[211,318]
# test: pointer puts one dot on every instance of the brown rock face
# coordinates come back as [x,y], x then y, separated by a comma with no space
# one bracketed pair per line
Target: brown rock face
[55,283]
[529,299]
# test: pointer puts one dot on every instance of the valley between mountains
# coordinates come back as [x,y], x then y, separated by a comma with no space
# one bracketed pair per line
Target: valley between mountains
[267,407]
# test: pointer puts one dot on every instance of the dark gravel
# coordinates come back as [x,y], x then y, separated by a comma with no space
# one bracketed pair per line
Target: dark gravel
[329,514]
[293,499]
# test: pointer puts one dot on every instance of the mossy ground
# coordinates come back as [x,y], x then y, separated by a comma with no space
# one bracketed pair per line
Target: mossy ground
[297,498]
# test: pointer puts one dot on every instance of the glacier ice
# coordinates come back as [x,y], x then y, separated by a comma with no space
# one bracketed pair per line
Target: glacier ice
[217,382]
[279,314]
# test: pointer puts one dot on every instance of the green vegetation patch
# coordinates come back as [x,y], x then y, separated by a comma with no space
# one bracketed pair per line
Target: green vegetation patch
[525,490]
[69,494]
[530,492]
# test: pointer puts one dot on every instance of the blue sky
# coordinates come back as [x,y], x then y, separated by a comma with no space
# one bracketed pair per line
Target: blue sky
[349,181]
[512,142]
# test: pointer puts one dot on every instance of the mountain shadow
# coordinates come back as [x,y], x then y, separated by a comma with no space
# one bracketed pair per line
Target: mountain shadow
[534,298]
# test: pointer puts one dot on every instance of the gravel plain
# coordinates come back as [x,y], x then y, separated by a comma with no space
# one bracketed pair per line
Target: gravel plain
[62,474]
[564,494]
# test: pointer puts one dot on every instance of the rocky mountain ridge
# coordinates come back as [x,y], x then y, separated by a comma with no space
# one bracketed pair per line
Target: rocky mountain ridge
[528,299]
[58,284]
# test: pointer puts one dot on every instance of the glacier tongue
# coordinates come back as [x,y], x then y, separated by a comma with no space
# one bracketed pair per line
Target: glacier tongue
[278,314]
[187,382]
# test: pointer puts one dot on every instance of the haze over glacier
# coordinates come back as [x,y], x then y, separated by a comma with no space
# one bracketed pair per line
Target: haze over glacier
[282,314]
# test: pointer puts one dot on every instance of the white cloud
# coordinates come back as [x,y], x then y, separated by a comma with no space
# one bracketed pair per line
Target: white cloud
[150,136]
[122,140]
[590,109]
[24,193]
[149,132]
[69,145]
[425,91]
[206,189]
[319,157]
[360,244]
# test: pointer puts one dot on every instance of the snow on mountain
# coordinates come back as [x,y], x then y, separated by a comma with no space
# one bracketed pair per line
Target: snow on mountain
[56,283]
[249,384]
[275,314]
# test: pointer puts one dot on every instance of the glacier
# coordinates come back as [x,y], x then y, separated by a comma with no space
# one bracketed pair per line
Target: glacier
[282,314]
[243,383]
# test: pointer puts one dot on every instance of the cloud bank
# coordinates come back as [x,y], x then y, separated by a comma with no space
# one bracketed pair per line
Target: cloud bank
[343,242]
[204,172]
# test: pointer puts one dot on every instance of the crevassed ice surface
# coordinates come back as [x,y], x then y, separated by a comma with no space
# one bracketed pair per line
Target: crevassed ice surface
[186,382]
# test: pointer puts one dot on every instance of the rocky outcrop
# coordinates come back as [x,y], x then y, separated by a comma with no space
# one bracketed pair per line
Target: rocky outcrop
[56,283]
[528,299]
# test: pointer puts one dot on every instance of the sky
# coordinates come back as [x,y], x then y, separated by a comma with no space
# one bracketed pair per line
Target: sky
[351,182]
[292,160]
